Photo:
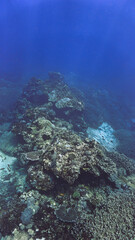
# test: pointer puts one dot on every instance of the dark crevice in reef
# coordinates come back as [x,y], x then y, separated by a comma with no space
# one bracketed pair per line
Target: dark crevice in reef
[73,183]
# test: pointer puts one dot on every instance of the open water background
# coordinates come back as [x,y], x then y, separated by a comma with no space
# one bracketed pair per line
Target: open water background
[93,39]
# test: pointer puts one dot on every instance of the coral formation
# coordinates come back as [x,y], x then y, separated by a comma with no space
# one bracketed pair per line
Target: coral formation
[75,189]
[69,155]
[39,179]
[66,214]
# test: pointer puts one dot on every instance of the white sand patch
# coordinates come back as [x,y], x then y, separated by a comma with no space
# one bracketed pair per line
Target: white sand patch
[6,165]
[12,178]
[104,135]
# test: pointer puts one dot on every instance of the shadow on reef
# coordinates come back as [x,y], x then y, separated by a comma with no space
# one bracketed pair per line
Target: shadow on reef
[78,190]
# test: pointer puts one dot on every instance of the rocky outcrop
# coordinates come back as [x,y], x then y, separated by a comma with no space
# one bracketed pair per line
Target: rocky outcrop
[75,188]
[47,141]
[53,93]
[39,179]
[69,155]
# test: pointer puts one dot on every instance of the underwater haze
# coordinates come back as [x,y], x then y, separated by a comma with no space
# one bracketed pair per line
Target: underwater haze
[94,39]
[67,119]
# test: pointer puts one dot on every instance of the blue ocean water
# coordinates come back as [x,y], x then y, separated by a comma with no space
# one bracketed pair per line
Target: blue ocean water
[94,39]
[67,155]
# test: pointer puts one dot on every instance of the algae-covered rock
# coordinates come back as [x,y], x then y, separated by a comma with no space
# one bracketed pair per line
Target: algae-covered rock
[122,161]
[47,127]
[66,214]
[70,178]
[74,155]
[128,180]
[33,156]
[69,103]
[41,106]
[76,195]
[39,179]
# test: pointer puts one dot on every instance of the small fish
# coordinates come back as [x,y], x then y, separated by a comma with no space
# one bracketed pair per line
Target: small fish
[2,168]
[61,194]
[9,168]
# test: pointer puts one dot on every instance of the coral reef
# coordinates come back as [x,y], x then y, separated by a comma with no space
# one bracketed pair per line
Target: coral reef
[122,161]
[75,189]
[39,179]
[66,214]
[115,220]
[69,155]
[53,94]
